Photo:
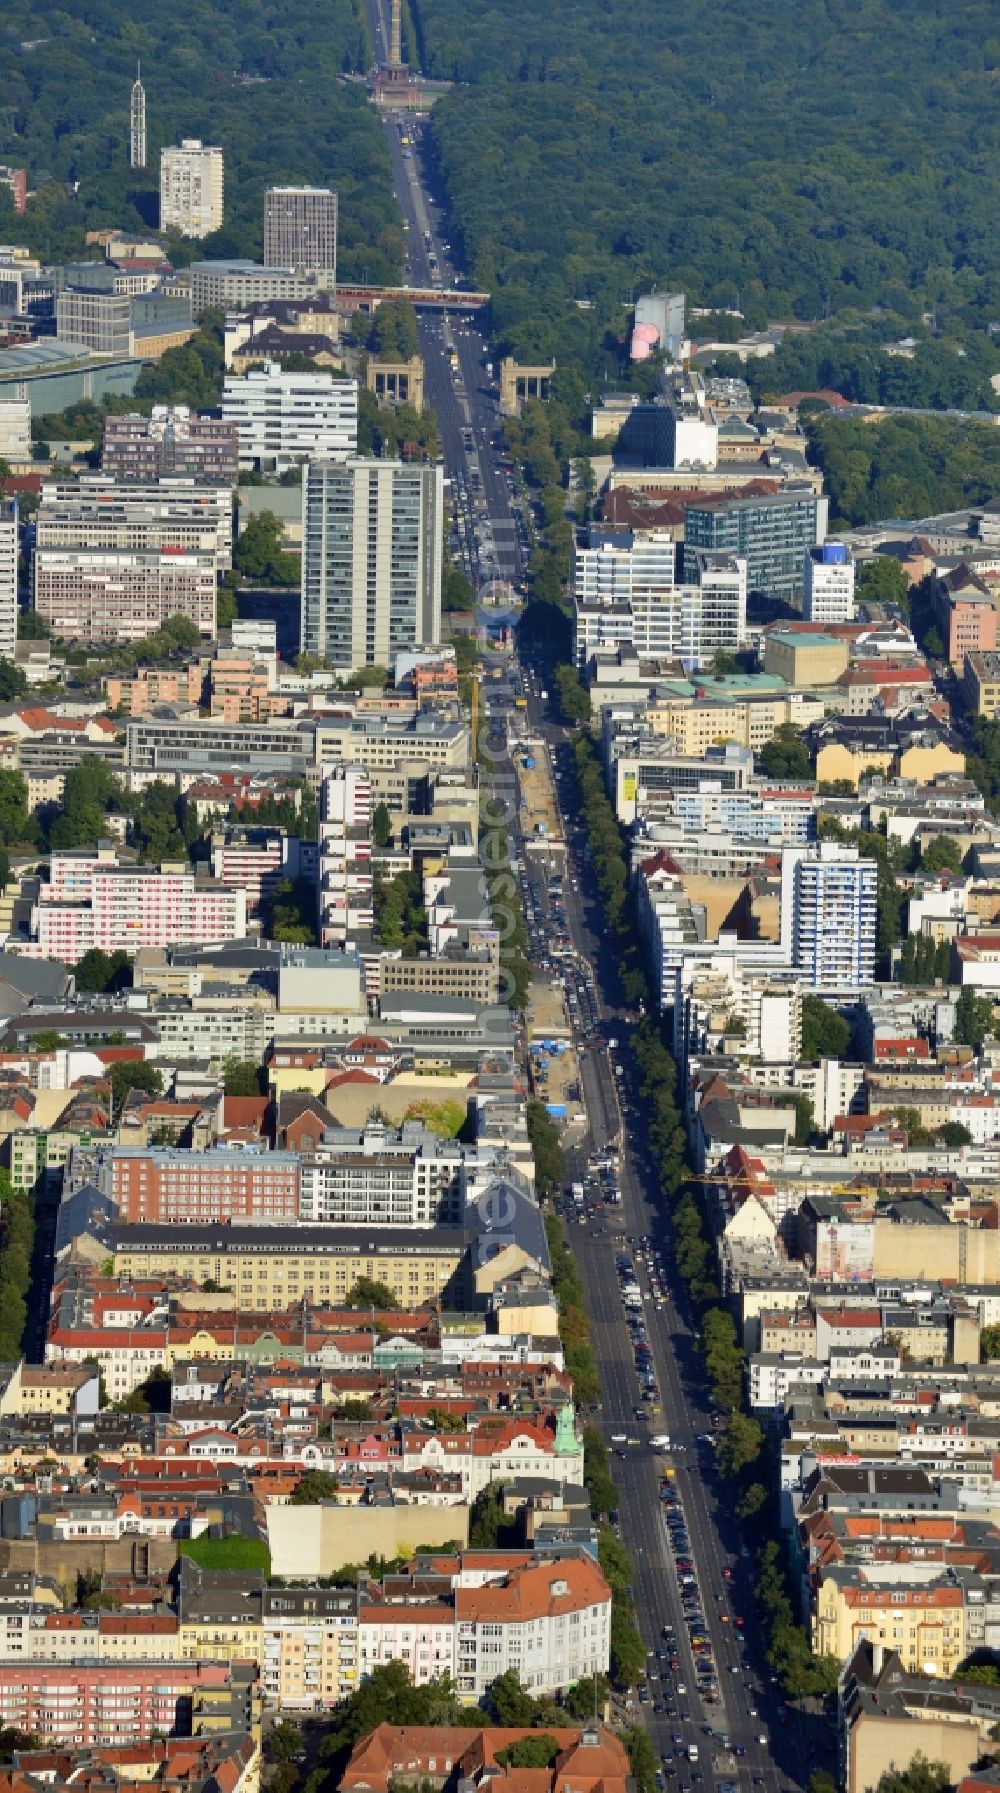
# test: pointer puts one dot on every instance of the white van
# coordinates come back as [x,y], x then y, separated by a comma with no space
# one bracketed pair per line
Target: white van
[660,1441]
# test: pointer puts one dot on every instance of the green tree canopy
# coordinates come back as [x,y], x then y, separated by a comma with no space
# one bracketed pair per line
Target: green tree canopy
[546,1149]
[882,580]
[381,826]
[314,1486]
[973,1018]
[954,1135]
[921,1776]
[99,971]
[825,1034]
[240,1077]
[537,1751]
[942,854]
[258,554]
[127,1074]
[786,754]
[367,1293]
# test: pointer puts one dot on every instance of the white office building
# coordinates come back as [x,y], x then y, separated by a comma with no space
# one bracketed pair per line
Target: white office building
[829,914]
[191,188]
[371,561]
[383,1176]
[160,516]
[100,320]
[627,593]
[300,231]
[285,418]
[15,429]
[689,428]
[8,579]
[828,584]
[713,606]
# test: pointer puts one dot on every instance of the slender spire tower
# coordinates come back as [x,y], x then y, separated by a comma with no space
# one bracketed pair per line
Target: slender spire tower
[137,135]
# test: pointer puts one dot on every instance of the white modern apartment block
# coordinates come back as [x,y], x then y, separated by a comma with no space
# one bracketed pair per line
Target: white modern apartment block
[15,429]
[381,1176]
[300,231]
[672,927]
[371,563]
[8,579]
[285,418]
[103,512]
[96,594]
[713,605]
[191,188]
[828,584]
[627,592]
[129,906]
[829,914]
[711,994]
[345,854]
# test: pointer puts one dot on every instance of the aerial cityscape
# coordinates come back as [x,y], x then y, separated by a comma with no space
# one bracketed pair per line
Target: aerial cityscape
[499,898]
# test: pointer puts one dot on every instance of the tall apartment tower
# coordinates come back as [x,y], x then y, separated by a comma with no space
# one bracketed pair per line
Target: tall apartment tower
[371,559]
[137,121]
[300,231]
[829,914]
[191,188]
[8,578]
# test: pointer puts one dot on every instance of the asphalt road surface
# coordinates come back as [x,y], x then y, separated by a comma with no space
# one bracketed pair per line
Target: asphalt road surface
[490,539]
[490,536]
[751,1706]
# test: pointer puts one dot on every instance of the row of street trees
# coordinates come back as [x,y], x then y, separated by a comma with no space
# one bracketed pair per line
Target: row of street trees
[741,1446]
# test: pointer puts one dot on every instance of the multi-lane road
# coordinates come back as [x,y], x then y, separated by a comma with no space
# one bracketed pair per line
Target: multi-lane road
[767,1746]
[771,1746]
[458,384]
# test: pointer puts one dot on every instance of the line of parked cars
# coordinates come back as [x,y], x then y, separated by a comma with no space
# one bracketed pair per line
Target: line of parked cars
[636,1321]
[706,1672]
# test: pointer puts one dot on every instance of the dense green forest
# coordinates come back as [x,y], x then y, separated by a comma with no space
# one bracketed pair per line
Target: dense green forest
[798,160]
[857,360]
[903,466]
[262,82]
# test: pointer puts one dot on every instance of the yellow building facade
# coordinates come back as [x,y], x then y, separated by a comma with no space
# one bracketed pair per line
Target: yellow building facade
[925,1625]
[267,1270]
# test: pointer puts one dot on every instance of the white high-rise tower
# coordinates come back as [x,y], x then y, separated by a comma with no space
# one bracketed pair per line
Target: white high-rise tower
[137,134]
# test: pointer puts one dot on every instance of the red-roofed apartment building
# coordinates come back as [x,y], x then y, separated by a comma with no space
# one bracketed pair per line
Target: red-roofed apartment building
[588,1761]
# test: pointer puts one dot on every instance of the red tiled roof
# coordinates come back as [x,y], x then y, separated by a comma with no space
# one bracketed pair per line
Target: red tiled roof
[244,1111]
